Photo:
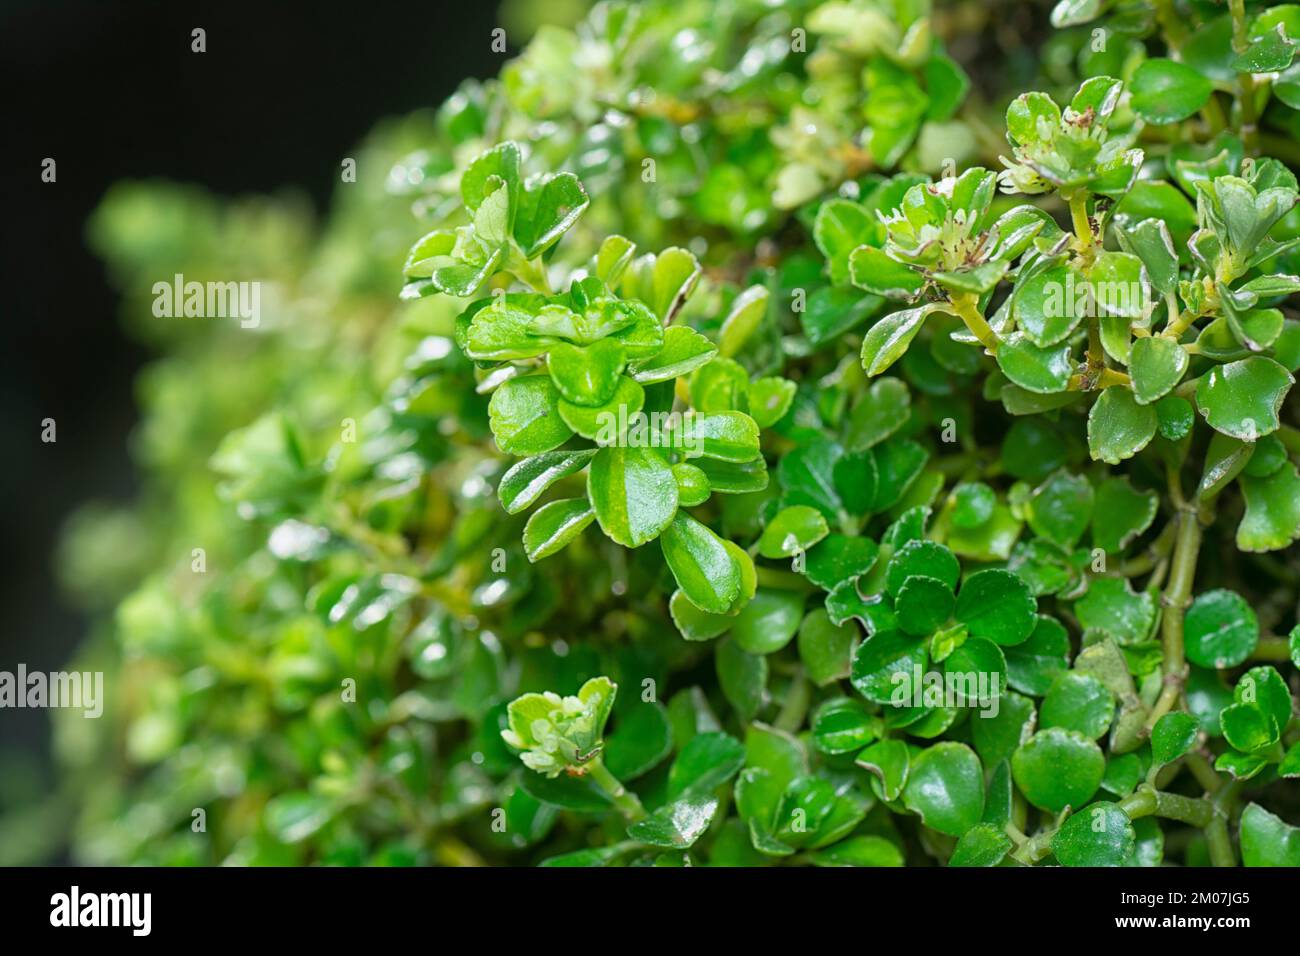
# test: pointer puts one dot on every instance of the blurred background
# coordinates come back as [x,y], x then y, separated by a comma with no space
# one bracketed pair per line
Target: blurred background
[112,91]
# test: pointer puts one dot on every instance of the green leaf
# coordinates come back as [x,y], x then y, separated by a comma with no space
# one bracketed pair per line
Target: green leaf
[742,677]
[770,398]
[684,350]
[982,845]
[526,480]
[1165,91]
[1172,736]
[899,462]
[1270,53]
[1242,399]
[503,330]
[1175,417]
[923,604]
[706,762]
[293,817]
[633,493]
[842,725]
[1044,305]
[1111,605]
[826,648]
[833,310]
[726,436]
[1220,629]
[547,208]
[1058,768]
[1100,834]
[677,825]
[692,485]
[887,340]
[1039,370]
[551,527]
[1078,702]
[768,621]
[945,785]
[859,851]
[693,623]
[1267,840]
[1249,728]
[838,558]
[640,740]
[882,411]
[920,557]
[840,227]
[524,415]
[1150,241]
[501,163]
[613,257]
[1264,685]
[676,273]
[998,735]
[807,473]
[879,658]
[732,478]
[704,568]
[1061,507]
[792,530]
[1156,365]
[578,794]
[977,672]
[888,761]
[972,504]
[720,386]
[586,375]
[1118,427]
[998,605]
[1272,518]
[1120,514]
[1034,665]
[602,423]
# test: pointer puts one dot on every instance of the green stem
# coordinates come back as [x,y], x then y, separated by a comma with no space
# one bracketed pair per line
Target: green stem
[1249,126]
[1177,597]
[627,802]
[1272,649]
[1082,224]
[966,307]
[1176,327]
[1216,837]
[1172,27]
[1204,772]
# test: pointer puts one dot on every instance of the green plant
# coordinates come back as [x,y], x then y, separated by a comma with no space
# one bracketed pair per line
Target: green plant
[882,513]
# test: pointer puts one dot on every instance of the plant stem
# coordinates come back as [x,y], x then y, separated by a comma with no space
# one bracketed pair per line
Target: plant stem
[1082,224]
[1177,597]
[1216,833]
[1172,28]
[1203,772]
[1272,649]
[1216,837]
[1143,802]
[627,802]
[1249,126]
[966,307]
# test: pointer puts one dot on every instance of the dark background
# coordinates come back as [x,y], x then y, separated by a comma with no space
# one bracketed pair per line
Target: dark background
[111,90]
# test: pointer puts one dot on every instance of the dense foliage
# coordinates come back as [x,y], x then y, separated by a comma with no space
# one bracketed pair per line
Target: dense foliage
[746,474]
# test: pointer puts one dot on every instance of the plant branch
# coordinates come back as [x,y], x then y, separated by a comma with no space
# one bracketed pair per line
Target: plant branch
[627,802]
